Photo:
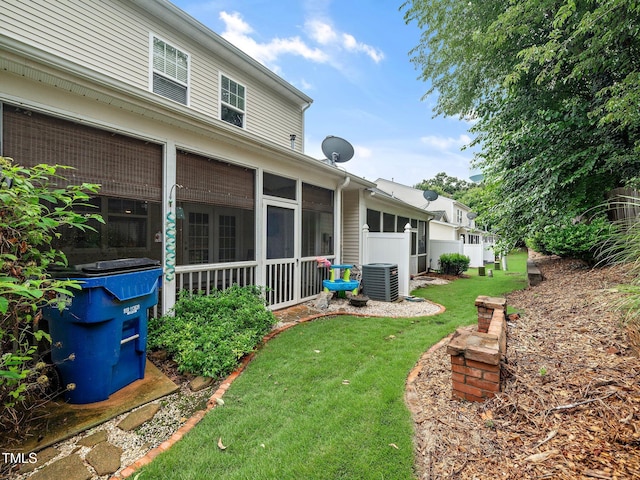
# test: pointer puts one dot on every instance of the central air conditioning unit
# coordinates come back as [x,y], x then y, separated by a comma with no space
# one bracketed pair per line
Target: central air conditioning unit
[380,281]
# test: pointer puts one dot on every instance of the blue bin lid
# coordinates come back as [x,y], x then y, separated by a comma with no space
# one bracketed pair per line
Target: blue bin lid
[106,267]
[124,285]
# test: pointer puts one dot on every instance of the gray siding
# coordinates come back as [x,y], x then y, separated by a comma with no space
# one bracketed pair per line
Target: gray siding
[112,37]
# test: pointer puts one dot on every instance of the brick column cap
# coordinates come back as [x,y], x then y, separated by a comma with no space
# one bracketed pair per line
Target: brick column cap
[491,302]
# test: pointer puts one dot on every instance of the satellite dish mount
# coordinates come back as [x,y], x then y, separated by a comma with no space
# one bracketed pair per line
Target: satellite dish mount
[429,196]
[337,150]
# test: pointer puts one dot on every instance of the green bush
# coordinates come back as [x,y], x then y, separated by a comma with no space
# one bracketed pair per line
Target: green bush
[454,263]
[32,210]
[208,334]
[571,240]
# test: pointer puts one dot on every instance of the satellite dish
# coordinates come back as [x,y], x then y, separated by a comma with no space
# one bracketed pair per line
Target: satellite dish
[337,149]
[471,215]
[476,175]
[430,195]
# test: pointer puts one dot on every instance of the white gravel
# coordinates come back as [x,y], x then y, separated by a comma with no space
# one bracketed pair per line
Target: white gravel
[403,307]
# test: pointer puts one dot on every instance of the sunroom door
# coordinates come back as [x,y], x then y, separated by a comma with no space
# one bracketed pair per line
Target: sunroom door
[281,252]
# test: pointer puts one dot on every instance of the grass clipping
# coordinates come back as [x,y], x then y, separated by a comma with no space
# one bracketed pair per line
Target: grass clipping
[570,406]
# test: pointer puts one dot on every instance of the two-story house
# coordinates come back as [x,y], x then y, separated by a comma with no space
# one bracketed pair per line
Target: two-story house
[453,228]
[198,148]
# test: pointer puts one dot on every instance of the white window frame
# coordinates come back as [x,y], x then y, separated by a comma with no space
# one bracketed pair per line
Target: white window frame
[175,79]
[242,111]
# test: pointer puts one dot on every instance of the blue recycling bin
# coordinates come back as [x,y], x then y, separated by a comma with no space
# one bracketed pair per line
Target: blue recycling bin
[99,339]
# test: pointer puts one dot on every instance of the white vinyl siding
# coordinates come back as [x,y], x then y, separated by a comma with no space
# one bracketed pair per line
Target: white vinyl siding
[102,36]
[351,228]
[112,38]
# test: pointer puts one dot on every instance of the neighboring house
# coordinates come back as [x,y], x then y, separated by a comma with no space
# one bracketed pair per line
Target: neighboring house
[379,228]
[453,228]
[197,147]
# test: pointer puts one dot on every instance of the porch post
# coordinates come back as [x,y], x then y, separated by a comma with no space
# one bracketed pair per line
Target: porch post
[427,239]
[169,208]
[365,244]
[403,282]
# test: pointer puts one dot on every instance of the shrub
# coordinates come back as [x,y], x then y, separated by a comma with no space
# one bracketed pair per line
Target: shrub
[571,240]
[454,263]
[32,209]
[208,334]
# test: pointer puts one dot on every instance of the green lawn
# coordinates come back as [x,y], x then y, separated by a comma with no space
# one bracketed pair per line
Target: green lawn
[325,399]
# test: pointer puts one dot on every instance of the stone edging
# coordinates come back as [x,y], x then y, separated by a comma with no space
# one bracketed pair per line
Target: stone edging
[224,386]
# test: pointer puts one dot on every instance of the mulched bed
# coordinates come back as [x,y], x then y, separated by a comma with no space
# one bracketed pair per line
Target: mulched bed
[570,405]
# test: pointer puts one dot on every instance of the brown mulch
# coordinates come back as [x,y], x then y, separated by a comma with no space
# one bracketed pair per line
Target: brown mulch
[570,405]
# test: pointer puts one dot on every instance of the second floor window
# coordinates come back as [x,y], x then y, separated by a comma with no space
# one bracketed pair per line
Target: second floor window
[170,71]
[233,98]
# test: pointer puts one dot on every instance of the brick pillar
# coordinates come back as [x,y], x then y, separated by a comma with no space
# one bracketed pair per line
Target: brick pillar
[486,306]
[472,380]
[476,355]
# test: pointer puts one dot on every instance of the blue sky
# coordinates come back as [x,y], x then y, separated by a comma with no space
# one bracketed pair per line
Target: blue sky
[352,58]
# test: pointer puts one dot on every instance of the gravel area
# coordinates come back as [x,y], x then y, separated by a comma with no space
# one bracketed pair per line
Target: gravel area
[403,307]
[175,410]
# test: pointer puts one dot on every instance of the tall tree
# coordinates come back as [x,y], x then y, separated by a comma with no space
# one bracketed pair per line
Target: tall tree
[445,185]
[554,86]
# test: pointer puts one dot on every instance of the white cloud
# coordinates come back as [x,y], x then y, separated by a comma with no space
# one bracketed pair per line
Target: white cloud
[237,32]
[351,44]
[321,32]
[325,34]
[306,86]
[446,143]
[363,152]
[235,24]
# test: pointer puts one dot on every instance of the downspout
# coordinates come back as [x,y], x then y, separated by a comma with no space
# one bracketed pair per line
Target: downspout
[338,219]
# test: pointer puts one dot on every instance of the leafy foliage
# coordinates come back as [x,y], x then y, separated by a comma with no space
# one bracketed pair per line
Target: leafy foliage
[454,263]
[32,209]
[553,86]
[446,185]
[208,334]
[576,240]
[472,195]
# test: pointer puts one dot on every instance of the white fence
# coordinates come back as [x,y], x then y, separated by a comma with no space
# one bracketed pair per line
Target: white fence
[479,253]
[475,252]
[380,247]
[440,247]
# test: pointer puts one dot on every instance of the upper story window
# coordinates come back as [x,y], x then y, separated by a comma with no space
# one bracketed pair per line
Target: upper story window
[170,71]
[458,216]
[232,99]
